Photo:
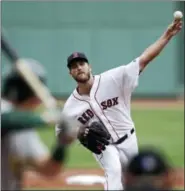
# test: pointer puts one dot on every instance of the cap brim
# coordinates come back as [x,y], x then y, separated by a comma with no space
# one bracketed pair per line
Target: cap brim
[76,59]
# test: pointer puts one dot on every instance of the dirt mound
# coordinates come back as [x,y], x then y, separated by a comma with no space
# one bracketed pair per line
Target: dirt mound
[92,181]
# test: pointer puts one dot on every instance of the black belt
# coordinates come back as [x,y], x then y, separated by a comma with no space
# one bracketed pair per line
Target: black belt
[122,139]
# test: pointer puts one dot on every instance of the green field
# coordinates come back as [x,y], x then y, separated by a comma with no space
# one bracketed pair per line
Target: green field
[161,128]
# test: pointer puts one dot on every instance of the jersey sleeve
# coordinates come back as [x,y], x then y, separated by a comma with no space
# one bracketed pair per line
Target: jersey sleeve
[27,146]
[131,74]
[126,76]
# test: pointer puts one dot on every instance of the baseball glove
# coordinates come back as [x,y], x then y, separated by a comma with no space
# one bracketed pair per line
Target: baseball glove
[94,137]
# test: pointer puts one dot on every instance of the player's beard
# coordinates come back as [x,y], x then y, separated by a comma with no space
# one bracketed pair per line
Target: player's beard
[84,79]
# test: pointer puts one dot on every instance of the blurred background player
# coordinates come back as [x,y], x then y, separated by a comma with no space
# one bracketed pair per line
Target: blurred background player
[147,171]
[21,147]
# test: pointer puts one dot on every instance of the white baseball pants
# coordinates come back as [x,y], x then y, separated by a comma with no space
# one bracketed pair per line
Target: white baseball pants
[114,159]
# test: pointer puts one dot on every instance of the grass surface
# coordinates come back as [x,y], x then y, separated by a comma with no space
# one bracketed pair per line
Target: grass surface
[161,128]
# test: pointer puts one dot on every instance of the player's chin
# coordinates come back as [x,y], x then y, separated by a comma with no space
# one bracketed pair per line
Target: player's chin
[83,79]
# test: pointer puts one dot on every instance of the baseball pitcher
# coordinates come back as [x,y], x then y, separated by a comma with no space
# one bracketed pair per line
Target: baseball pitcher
[101,106]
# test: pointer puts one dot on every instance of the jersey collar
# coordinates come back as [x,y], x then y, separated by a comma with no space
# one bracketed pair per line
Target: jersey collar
[92,92]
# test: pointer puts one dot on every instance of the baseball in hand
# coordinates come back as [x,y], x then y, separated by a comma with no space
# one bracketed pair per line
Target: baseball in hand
[178,15]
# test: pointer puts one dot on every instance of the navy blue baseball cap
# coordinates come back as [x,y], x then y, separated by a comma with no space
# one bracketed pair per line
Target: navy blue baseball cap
[76,56]
[148,162]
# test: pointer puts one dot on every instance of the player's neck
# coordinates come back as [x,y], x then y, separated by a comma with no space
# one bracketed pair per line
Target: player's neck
[85,88]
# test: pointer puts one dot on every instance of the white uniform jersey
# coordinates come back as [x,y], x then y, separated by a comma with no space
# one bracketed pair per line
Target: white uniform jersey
[108,102]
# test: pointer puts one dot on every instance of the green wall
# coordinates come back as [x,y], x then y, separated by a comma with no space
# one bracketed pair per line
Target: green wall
[110,33]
